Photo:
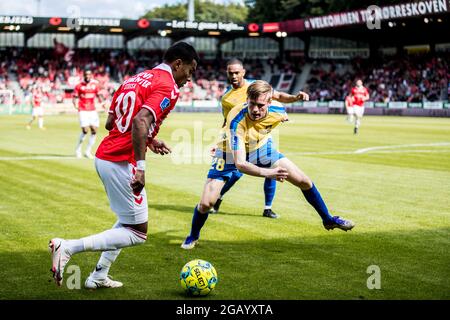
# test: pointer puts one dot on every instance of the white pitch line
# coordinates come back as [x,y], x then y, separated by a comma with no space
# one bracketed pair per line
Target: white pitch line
[371,150]
[374,152]
[37,158]
[437,144]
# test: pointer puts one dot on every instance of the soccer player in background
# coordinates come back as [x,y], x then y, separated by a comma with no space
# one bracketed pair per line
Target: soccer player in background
[349,108]
[236,95]
[359,94]
[84,101]
[137,111]
[249,149]
[37,109]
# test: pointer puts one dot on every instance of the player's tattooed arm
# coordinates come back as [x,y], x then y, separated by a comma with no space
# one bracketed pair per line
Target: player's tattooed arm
[141,126]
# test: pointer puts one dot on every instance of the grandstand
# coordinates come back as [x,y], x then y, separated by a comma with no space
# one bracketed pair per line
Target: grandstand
[402,68]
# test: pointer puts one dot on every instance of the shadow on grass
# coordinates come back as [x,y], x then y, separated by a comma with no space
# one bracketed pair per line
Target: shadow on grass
[413,264]
[171,207]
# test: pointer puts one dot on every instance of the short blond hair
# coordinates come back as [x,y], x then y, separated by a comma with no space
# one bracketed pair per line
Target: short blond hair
[258,88]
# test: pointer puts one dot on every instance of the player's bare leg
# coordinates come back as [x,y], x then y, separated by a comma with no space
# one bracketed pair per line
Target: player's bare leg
[227,186]
[84,131]
[211,192]
[298,178]
[91,142]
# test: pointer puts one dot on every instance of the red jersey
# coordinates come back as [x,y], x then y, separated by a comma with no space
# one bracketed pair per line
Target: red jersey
[37,99]
[359,95]
[154,90]
[86,92]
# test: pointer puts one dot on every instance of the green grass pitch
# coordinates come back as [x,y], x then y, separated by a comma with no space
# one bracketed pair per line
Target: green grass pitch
[396,188]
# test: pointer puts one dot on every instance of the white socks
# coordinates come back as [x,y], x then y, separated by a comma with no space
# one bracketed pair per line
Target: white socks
[41,122]
[267,207]
[110,242]
[112,239]
[91,143]
[80,140]
[104,264]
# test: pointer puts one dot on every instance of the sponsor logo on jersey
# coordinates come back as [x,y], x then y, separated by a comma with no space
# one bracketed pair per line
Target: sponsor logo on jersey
[164,103]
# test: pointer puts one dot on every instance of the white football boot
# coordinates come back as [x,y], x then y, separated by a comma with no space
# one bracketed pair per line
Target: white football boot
[92,283]
[60,257]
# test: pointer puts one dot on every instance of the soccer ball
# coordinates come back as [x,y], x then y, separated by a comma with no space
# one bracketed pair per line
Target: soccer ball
[198,277]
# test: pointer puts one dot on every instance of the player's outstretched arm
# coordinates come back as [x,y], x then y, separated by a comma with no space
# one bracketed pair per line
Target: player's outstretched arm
[140,128]
[289,98]
[279,173]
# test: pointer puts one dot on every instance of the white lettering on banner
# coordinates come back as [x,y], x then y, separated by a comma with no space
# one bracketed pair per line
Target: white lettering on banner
[385,13]
[339,53]
[336,104]
[16,20]
[200,26]
[397,105]
[422,8]
[99,22]
[433,105]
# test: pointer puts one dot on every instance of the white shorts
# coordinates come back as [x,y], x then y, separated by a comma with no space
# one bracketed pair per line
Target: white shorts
[116,177]
[37,112]
[89,118]
[358,111]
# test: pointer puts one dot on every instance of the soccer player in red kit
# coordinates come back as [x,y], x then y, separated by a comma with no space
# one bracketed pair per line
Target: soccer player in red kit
[359,94]
[37,110]
[84,101]
[137,110]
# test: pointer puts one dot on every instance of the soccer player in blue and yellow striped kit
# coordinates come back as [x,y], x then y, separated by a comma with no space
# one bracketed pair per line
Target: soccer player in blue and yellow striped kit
[249,150]
[235,95]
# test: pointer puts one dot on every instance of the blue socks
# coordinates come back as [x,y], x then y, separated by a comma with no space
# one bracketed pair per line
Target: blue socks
[315,199]
[198,220]
[270,186]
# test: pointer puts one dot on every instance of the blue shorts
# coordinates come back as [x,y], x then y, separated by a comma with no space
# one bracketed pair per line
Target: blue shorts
[223,167]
